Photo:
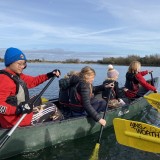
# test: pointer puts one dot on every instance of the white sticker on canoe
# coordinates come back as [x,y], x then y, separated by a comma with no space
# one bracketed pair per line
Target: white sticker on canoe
[120,113]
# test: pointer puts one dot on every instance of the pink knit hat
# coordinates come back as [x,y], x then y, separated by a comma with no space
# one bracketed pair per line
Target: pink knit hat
[112,73]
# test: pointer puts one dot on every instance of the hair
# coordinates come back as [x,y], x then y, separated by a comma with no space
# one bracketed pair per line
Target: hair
[86,73]
[134,66]
[71,73]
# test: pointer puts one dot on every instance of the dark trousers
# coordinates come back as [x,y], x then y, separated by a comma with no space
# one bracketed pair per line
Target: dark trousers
[98,105]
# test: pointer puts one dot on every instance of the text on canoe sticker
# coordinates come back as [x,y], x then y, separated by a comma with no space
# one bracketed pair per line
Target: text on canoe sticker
[151,131]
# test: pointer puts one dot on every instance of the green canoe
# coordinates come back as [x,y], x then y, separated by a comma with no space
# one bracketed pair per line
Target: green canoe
[32,138]
[152,116]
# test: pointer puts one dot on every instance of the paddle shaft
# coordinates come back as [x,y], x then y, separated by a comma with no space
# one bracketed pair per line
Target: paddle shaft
[6,137]
[104,114]
[152,81]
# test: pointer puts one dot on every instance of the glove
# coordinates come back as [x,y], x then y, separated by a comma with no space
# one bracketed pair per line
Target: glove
[155,91]
[23,108]
[53,73]
[108,85]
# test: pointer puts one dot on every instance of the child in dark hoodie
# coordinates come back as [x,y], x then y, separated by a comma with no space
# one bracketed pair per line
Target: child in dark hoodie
[134,77]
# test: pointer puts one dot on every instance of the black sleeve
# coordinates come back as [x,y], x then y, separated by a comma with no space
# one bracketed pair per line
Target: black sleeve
[84,91]
[97,89]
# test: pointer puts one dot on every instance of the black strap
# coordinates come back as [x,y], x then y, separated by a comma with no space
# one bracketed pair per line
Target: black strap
[13,77]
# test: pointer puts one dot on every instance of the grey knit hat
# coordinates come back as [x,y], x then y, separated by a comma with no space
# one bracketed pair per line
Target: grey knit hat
[112,73]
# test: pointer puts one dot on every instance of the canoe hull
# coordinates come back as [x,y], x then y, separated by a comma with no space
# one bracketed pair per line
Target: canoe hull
[28,139]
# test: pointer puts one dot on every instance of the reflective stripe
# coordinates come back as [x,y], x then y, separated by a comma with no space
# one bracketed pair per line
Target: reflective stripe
[43,112]
[3,109]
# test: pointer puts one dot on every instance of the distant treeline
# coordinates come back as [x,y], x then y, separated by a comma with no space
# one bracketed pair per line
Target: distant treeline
[152,60]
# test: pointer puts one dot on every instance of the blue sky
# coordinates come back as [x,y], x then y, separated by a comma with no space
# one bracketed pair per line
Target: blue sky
[118,27]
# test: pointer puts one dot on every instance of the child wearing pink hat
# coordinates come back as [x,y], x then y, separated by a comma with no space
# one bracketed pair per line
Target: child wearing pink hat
[112,76]
[112,73]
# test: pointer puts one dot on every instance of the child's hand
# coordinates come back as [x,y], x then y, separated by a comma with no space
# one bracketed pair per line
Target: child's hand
[110,85]
[125,89]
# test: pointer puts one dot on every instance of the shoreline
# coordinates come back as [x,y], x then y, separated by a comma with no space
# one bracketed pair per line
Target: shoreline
[153,60]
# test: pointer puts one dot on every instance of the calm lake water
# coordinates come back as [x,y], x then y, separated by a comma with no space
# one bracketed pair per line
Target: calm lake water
[81,149]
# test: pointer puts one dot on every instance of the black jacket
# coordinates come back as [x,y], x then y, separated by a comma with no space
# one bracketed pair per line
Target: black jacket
[130,79]
[114,91]
[83,89]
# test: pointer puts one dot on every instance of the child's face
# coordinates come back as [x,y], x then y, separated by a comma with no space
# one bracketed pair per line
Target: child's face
[138,68]
[18,66]
[91,79]
[116,78]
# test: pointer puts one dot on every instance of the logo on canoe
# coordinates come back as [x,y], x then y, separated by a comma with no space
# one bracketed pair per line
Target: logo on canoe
[120,113]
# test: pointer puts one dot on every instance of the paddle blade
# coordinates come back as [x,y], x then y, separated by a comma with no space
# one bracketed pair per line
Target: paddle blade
[94,155]
[137,135]
[154,100]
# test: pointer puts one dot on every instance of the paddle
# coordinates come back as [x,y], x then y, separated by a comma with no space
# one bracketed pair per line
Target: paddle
[94,155]
[137,135]
[154,100]
[152,81]
[8,135]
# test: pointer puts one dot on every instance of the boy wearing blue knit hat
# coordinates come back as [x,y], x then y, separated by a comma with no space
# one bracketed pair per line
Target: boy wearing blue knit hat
[14,85]
[13,55]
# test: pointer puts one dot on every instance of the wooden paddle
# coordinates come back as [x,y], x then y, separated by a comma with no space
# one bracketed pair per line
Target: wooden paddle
[94,155]
[8,135]
[137,135]
[154,100]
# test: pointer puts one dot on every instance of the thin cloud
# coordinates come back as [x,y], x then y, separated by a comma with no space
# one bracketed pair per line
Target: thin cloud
[102,25]
[132,11]
[100,32]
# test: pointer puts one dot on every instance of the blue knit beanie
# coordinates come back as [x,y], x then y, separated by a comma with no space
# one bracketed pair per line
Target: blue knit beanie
[12,55]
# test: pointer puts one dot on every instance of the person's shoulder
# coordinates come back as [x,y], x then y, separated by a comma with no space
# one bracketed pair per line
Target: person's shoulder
[83,84]
[130,75]
[74,79]
[5,80]
[5,75]
[108,81]
[24,76]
